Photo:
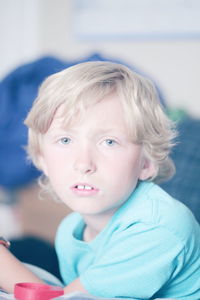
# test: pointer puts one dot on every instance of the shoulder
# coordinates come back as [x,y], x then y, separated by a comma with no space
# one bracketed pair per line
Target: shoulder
[151,207]
[173,215]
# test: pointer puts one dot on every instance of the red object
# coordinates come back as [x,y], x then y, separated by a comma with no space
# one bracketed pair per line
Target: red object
[36,291]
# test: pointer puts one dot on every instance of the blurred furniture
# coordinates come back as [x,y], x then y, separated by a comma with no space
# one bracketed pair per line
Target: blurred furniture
[185,184]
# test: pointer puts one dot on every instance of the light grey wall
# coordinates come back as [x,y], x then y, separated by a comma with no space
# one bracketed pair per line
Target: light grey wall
[32,28]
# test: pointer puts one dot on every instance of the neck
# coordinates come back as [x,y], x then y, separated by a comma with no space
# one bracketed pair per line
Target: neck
[95,224]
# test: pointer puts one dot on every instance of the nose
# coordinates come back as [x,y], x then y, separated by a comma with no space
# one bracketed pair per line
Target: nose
[85,162]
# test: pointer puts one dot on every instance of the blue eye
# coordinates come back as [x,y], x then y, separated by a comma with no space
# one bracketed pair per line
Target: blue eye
[65,140]
[110,142]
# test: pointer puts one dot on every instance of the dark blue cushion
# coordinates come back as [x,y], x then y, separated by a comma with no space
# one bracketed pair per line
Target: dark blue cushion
[185,185]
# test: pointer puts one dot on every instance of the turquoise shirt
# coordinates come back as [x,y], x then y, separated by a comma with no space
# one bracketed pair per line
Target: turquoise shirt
[149,249]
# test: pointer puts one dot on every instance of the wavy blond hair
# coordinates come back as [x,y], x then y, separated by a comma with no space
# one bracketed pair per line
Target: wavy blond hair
[82,85]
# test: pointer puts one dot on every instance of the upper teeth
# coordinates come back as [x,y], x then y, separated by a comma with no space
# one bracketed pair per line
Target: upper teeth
[82,187]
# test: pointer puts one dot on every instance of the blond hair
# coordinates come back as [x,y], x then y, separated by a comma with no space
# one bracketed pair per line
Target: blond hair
[85,84]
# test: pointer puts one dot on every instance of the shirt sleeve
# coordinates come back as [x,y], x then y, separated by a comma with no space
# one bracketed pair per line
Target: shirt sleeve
[136,263]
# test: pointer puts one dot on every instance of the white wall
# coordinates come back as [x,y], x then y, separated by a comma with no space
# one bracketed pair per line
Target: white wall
[32,28]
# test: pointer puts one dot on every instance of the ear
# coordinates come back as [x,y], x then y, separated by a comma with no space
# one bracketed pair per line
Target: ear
[148,169]
[42,165]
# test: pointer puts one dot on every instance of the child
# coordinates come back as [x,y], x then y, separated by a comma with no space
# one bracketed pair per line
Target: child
[100,136]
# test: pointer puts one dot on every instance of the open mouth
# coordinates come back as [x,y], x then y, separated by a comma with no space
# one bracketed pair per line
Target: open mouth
[84,187]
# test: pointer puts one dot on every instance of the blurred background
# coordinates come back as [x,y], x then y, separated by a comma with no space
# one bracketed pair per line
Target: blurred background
[160,39]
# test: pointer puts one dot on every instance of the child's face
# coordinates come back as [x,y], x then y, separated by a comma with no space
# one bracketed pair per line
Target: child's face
[93,166]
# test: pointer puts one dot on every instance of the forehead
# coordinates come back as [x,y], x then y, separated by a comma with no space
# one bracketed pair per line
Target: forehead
[108,112]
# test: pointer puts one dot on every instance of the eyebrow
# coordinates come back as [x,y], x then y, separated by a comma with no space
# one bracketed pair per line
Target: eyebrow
[105,131]
[55,130]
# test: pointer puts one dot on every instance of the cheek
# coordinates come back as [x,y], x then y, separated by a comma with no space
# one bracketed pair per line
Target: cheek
[122,182]
[125,172]
[51,163]
[129,164]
